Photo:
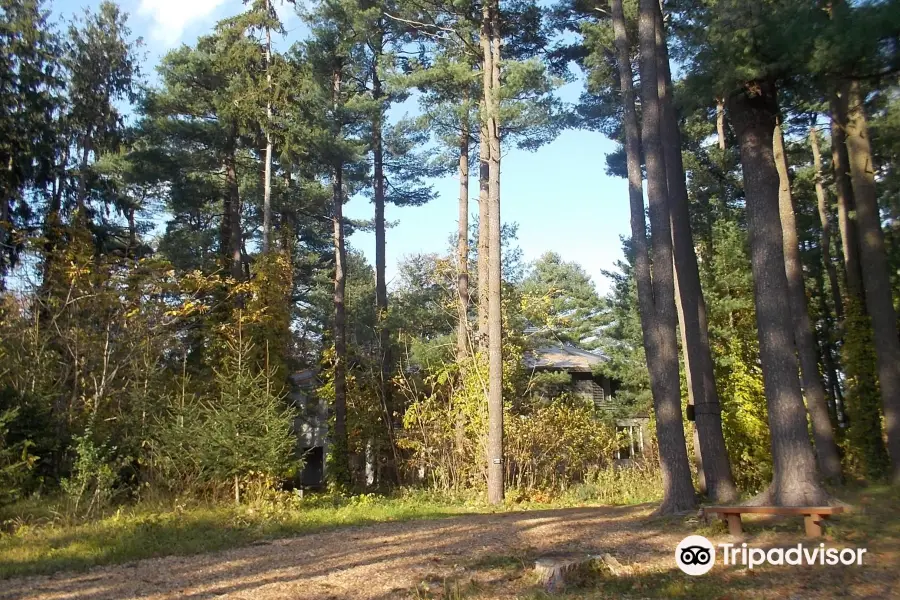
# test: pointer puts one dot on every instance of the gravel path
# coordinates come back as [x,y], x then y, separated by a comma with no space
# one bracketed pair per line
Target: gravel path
[386,560]
[489,553]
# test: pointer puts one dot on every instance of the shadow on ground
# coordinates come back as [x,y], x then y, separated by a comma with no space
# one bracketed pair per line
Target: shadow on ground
[490,556]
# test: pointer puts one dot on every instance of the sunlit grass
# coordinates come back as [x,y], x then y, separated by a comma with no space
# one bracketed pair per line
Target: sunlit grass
[36,541]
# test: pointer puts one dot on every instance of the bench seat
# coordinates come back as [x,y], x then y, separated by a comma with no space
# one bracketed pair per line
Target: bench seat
[812,515]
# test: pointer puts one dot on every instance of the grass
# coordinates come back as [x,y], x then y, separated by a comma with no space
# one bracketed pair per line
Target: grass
[37,536]
[38,540]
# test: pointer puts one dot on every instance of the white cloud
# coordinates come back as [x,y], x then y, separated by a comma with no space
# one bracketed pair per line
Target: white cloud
[171,17]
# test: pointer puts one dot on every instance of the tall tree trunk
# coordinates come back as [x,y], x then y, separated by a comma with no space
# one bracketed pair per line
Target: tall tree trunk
[490,42]
[233,255]
[5,223]
[816,403]
[875,272]
[678,491]
[267,186]
[132,233]
[82,191]
[825,220]
[340,459]
[484,221]
[688,373]
[720,123]
[52,227]
[795,475]
[846,204]
[867,449]
[462,246]
[830,320]
[716,468]
[826,351]
[381,295]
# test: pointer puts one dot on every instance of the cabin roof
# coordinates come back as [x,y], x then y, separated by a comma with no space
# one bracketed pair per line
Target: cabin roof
[565,358]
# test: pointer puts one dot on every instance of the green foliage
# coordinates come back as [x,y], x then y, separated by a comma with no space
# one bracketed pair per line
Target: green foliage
[93,476]
[575,313]
[16,460]
[551,439]
[241,432]
[30,51]
[549,384]
[551,446]
[622,341]
[732,322]
[865,454]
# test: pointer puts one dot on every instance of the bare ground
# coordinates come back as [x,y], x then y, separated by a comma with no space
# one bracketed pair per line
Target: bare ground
[417,560]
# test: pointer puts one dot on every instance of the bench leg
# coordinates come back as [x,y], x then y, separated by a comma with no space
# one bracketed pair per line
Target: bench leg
[813,525]
[734,524]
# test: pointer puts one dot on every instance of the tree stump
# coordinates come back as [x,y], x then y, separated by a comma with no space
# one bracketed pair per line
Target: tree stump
[615,567]
[555,571]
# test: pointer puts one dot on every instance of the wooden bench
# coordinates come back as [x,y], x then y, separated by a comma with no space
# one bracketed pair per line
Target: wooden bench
[812,515]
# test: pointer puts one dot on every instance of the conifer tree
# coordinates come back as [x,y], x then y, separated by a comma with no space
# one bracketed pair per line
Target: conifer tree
[29,107]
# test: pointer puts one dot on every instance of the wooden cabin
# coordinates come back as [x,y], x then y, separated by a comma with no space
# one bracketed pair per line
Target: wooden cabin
[587,383]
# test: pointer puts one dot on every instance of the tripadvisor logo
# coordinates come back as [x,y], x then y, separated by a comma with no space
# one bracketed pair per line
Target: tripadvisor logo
[696,555]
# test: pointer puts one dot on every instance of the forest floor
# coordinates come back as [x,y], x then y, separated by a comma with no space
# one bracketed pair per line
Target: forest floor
[475,556]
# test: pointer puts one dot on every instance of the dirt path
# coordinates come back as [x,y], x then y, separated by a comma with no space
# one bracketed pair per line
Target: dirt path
[387,560]
[492,554]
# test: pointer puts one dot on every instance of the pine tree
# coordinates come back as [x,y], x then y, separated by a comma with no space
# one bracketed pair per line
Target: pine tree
[664,377]
[247,430]
[29,105]
[813,388]
[714,468]
[748,81]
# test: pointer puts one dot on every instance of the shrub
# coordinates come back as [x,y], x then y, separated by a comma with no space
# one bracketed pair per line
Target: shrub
[556,443]
[91,486]
[640,481]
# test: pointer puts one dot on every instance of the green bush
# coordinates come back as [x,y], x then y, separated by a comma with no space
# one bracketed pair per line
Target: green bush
[91,486]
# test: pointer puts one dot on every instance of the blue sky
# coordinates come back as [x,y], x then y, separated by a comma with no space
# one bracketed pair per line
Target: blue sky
[560,195]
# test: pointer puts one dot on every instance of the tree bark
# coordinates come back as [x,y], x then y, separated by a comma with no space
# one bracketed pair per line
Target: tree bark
[720,123]
[232,224]
[861,408]
[491,46]
[795,476]
[831,320]
[5,223]
[816,403]
[484,221]
[875,272]
[826,349]
[267,186]
[825,220]
[81,195]
[340,463]
[695,434]
[642,273]
[713,455]
[132,233]
[462,246]
[678,491]
[381,295]
[846,204]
